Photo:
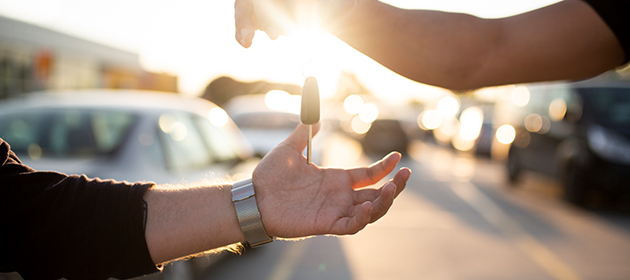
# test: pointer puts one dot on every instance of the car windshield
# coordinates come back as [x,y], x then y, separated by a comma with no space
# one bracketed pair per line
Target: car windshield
[65,133]
[610,106]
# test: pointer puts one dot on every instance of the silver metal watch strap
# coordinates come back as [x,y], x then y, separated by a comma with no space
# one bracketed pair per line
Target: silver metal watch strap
[249,218]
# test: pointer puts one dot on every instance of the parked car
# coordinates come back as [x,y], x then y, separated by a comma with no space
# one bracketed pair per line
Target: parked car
[266,129]
[124,135]
[128,135]
[385,136]
[578,133]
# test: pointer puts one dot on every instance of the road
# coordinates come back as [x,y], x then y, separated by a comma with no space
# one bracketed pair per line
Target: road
[456,219]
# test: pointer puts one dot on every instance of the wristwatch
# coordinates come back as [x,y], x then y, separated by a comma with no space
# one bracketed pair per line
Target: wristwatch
[249,218]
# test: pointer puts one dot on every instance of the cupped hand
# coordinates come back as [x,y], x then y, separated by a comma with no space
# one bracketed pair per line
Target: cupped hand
[296,199]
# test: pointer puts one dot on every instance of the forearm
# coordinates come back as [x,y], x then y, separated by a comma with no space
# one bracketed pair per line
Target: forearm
[437,48]
[567,40]
[189,219]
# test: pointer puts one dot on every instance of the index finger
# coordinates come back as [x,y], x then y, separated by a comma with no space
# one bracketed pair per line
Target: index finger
[365,176]
[244,22]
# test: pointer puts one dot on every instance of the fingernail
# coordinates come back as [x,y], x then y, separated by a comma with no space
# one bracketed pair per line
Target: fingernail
[244,33]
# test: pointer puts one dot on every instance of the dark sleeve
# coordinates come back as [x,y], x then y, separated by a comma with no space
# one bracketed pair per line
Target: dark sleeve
[58,226]
[616,14]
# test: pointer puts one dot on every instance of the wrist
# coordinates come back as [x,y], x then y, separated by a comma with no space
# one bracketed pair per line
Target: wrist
[248,214]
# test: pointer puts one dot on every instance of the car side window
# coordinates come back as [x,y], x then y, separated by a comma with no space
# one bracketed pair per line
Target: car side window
[219,141]
[23,130]
[110,128]
[66,132]
[71,133]
[183,145]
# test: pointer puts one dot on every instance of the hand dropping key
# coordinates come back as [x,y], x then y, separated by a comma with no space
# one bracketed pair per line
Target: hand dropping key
[309,114]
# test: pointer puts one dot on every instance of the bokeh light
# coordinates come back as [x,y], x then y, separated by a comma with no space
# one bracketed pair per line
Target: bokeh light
[430,120]
[471,121]
[277,100]
[34,151]
[505,134]
[533,122]
[546,125]
[446,131]
[166,122]
[462,144]
[368,113]
[557,109]
[353,104]
[218,116]
[178,131]
[448,106]
[175,129]
[359,126]
[520,96]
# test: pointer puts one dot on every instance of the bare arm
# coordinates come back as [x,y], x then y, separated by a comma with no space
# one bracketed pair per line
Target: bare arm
[295,200]
[567,40]
[190,219]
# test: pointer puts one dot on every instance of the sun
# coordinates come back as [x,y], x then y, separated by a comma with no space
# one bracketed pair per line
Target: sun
[302,53]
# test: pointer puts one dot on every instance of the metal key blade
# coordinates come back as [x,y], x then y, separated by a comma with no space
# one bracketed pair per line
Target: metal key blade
[309,144]
[309,113]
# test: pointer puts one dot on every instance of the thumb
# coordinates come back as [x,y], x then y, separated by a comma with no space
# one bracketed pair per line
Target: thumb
[299,136]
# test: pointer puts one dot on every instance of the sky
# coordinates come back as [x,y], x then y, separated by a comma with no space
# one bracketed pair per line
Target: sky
[194,39]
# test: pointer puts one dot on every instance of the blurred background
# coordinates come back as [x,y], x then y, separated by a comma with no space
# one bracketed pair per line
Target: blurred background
[528,181]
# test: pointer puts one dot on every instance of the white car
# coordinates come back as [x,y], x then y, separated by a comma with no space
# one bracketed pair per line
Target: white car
[265,128]
[126,135]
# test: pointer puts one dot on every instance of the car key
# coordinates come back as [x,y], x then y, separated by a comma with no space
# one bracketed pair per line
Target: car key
[309,113]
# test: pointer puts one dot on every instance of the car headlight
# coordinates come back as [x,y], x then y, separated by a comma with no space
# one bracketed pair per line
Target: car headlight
[609,145]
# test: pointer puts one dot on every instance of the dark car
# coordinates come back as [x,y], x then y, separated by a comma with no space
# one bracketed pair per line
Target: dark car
[384,136]
[578,133]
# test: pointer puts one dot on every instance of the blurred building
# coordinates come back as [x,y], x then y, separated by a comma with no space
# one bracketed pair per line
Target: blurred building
[35,58]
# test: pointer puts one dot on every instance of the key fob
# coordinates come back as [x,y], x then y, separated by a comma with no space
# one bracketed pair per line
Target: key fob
[309,113]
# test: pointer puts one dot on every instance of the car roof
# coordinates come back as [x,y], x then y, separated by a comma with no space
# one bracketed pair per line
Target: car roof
[108,98]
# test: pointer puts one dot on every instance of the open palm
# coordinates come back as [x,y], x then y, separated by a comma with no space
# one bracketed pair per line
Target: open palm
[309,200]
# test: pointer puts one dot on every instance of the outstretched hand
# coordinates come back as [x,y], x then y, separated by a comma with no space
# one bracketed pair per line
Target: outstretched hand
[296,199]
